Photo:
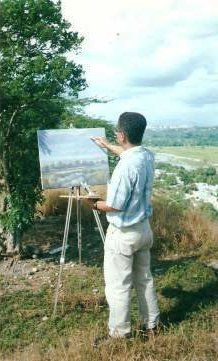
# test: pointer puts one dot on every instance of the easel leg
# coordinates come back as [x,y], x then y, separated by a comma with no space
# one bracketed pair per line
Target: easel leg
[96,215]
[79,226]
[63,251]
[100,228]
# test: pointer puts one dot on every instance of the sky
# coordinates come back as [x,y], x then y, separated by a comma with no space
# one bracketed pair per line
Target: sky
[156,57]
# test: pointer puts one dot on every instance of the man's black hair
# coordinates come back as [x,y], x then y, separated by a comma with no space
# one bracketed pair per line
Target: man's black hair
[133,126]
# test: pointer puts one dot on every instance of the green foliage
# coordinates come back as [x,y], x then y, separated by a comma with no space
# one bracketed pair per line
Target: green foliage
[210,171]
[187,188]
[188,275]
[20,211]
[166,181]
[199,175]
[171,180]
[84,121]
[169,210]
[188,177]
[166,167]
[209,210]
[35,74]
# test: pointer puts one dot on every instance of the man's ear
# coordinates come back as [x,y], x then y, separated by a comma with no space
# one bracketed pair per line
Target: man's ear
[123,137]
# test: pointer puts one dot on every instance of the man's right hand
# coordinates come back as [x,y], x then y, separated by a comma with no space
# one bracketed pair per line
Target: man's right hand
[101,141]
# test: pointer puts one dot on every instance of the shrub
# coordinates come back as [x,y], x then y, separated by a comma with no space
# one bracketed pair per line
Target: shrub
[178,228]
[166,223]
[209,210]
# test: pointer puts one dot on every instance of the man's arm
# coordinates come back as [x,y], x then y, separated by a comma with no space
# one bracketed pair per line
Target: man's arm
[103,143]
[102,206]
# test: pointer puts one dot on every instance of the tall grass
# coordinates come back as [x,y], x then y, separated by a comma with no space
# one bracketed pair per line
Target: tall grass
[55,204]
[182,229]
[177,345]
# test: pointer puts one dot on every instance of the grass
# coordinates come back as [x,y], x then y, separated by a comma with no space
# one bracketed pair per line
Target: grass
[182,230]
[187,293]
[198,156]
[22,312]
[54,204]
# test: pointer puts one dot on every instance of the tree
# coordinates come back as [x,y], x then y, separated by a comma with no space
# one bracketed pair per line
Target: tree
[35,79]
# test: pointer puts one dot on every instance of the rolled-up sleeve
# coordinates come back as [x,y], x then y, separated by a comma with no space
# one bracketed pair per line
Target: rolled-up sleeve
[120,188]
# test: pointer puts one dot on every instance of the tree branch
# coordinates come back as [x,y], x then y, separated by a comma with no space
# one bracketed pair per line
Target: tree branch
[11,121]
[1,116]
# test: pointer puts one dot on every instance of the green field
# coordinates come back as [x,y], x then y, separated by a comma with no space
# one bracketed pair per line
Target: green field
[201,155]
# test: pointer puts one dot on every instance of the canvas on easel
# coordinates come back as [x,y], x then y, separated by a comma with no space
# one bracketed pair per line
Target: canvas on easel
[68,158]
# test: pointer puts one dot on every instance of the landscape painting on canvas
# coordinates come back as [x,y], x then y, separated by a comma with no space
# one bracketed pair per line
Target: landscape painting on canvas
[68,157]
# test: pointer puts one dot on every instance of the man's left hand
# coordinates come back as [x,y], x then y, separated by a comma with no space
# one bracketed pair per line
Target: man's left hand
[91,201]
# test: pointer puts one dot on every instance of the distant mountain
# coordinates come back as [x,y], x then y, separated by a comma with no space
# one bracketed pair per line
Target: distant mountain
[178,123]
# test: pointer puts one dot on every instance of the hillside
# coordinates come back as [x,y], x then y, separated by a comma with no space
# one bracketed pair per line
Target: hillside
[193,136]
[184,267]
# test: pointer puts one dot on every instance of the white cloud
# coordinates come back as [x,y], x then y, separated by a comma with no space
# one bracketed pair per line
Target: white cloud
[156,57]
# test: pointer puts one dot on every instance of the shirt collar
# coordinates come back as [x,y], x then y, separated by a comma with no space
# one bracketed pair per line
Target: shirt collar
[131,150]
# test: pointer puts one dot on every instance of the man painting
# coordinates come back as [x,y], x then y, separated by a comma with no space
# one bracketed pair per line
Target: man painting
[129,236]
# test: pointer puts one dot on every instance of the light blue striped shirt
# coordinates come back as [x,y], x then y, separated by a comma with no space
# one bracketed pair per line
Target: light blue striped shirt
[129,189]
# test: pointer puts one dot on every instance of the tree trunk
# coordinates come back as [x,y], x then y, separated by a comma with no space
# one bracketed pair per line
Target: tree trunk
[9,241]
[9,244]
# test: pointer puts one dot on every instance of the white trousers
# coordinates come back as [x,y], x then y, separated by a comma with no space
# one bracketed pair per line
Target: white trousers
[127,264]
